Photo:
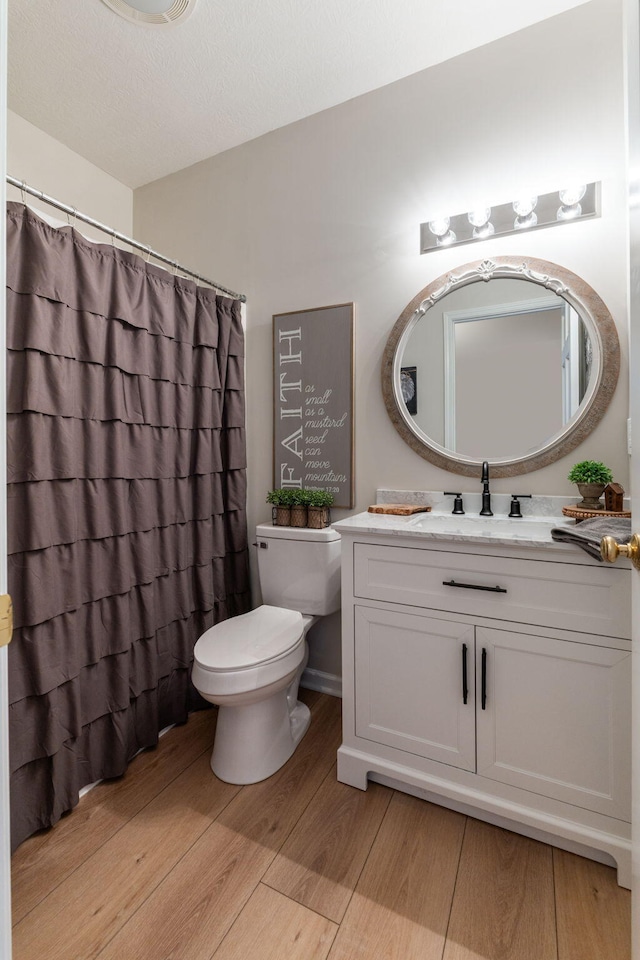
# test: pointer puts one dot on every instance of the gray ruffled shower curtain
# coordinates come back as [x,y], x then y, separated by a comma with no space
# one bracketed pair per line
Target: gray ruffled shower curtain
[127,522]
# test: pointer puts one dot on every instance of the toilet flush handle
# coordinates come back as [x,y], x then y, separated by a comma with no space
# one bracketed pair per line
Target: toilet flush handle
[261,543]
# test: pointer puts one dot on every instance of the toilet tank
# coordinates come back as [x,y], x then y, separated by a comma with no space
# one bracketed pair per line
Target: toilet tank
[299,568]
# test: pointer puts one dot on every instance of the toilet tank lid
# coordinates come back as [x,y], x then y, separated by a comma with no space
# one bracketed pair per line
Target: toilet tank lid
[296,533]
[250,638]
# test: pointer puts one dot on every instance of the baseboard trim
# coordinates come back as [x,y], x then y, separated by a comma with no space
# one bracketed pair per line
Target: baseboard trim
[357,767]
[322,682]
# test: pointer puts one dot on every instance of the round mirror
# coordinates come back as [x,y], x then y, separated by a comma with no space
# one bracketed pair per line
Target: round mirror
[509,360]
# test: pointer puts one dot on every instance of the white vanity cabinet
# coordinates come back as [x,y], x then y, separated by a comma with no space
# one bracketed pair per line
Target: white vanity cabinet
[493,679]
[408,684]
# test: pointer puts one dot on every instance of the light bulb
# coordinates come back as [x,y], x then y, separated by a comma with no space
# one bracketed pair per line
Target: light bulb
[521,223]
[480,216]
[524,206]
[484,231]
[448,238]
[439,227]
[569,213]
[573,194]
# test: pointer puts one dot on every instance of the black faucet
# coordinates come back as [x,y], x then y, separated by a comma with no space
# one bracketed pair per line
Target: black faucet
[515,510]
[458,506]
[486,496]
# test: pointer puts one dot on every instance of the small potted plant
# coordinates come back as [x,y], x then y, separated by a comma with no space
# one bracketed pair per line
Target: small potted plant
[281,500]
[299,507]
[319,503]
[591,476]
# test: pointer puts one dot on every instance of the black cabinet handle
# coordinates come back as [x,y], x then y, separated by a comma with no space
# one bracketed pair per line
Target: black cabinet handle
[473,586]
[484,679]
[465,687]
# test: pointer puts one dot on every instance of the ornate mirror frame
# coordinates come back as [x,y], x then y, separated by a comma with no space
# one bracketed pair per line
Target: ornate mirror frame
[605,365]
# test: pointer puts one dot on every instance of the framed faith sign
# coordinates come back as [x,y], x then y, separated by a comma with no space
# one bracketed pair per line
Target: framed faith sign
[313,423]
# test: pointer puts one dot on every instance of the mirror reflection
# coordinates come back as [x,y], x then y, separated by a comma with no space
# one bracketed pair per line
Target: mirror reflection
[494,370]
[513,360]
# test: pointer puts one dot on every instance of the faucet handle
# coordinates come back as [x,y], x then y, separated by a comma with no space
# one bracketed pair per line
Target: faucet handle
[515,503]
[458,506]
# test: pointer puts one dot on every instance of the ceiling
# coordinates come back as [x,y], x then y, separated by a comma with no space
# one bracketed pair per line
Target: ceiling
[141,102]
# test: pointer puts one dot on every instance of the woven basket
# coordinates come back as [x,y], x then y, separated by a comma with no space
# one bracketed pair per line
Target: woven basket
[298,515]
[281,516]
[319,517]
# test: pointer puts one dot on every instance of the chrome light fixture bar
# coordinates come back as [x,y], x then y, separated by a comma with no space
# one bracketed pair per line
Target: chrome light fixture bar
[575,202]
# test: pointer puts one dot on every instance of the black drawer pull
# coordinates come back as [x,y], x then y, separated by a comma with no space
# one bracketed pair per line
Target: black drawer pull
[465,687]
[484,679]
[473,586]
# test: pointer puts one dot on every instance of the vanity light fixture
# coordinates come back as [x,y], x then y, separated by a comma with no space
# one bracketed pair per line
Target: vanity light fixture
[576,202]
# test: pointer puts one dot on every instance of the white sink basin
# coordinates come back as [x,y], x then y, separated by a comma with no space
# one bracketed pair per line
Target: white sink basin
[472,526]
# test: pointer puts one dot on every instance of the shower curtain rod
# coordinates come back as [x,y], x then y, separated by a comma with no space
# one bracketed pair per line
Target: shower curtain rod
[21,185]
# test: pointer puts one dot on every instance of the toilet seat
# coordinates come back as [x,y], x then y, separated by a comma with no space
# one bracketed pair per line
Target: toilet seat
[260,637]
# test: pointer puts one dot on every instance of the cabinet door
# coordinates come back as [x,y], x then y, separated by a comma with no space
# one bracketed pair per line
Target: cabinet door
[409,684]
[556,719]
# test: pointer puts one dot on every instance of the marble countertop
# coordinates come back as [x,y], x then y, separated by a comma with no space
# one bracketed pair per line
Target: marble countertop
[540,514]
[497,530]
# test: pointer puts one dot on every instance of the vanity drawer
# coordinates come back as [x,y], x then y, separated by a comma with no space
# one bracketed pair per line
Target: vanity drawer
[567,596]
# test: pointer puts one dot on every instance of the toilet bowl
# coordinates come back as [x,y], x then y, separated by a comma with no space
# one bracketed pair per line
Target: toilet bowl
[251,665]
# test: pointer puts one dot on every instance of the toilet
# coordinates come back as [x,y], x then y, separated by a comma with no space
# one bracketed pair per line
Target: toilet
[251,665]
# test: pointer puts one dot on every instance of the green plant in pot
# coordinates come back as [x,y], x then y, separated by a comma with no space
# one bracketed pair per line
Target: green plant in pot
[282,500]
[318,508]
[299,507]
[591,476]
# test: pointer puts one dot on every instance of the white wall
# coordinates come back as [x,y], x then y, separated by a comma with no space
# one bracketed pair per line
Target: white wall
[49,166]
[327,210]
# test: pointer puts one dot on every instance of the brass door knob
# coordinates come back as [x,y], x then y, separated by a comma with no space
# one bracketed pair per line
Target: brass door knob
[6,619]
[610,550]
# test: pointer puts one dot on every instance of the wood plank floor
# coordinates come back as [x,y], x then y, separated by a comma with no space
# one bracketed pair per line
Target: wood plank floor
[169,863]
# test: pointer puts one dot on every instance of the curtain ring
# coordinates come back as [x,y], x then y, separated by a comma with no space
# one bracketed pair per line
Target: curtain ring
[23,195]
[147,254]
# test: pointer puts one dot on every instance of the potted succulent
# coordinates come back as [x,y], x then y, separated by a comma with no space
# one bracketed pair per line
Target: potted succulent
[318,509]
[281,500]
[591,476]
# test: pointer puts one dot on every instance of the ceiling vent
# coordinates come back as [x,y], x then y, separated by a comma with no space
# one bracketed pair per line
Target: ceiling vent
[155,12]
